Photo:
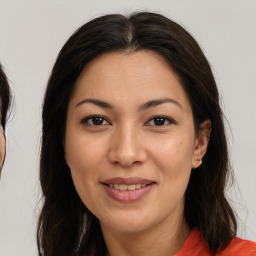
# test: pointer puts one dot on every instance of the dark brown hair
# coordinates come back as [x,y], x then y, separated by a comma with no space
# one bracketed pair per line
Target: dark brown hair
[66,226]
[5,99]
[5,96]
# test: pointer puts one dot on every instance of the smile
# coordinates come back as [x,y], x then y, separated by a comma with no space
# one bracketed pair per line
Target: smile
[127,190]
[124,187]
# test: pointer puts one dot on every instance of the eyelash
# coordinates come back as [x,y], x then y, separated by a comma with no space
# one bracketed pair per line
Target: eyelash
[165,118]
[87,120]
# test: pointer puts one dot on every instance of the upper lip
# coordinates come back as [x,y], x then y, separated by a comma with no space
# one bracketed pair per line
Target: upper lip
[127,181]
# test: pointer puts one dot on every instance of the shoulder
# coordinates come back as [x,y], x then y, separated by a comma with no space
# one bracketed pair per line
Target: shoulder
[239,246]
[195,245]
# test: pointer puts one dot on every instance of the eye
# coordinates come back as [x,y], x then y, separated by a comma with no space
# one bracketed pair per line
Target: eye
[95,121]
[159,121]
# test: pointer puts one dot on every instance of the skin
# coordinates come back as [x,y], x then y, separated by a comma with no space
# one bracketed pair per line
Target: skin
[2,145]
[129,142]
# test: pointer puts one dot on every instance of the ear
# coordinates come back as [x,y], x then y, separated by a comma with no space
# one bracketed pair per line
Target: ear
[201,143]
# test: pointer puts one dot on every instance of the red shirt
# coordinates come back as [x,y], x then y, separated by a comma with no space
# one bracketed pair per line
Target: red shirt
[196,246]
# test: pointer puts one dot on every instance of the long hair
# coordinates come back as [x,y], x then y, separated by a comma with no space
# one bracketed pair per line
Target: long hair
[66,226]
[5,96]
[5,102]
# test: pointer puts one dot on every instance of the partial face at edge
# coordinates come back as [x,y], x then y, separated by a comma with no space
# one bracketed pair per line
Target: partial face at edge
[130,118]
[2,144]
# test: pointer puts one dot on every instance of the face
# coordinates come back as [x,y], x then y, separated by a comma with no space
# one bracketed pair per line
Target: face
[130,141]
[2,145]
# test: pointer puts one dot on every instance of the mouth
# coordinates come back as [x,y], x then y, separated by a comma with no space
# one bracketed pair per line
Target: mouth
[127,190]
[124,187]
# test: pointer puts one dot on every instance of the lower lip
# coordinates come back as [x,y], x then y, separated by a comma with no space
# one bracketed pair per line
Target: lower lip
[127,196]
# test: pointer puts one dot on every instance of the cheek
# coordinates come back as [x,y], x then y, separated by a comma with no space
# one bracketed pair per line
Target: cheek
[84,157]
[173,152]
[174,159]
[82,152]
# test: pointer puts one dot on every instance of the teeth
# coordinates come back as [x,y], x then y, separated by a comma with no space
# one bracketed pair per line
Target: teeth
[137,186]
[131,187]
[124,187]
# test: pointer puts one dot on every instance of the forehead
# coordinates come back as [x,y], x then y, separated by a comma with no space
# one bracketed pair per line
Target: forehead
[121,76]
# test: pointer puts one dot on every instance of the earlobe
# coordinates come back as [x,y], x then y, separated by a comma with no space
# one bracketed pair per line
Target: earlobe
[201,143]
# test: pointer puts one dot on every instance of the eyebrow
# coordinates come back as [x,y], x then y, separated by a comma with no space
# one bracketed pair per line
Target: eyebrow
[97,102]
[154,103]
[148,104]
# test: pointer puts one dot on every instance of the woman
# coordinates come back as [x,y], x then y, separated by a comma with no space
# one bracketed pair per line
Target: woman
[130,111]
[4,105]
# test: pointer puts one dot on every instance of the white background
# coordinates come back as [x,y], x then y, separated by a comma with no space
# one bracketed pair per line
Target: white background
[31,35]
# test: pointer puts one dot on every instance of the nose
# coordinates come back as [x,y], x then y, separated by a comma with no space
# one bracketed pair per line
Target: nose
[126,147]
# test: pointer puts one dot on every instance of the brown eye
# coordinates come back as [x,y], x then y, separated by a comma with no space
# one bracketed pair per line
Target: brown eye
[159,121]
[95,121]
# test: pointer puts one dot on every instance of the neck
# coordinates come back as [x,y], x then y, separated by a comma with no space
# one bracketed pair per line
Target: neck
[159,240]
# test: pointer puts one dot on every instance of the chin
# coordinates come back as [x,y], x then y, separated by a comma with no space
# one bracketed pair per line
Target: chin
[130,227]
[128,223]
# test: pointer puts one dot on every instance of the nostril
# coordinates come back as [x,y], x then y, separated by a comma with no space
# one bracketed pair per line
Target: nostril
[127,156]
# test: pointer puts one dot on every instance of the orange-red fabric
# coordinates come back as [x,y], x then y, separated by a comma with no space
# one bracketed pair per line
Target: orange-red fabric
[196,246]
